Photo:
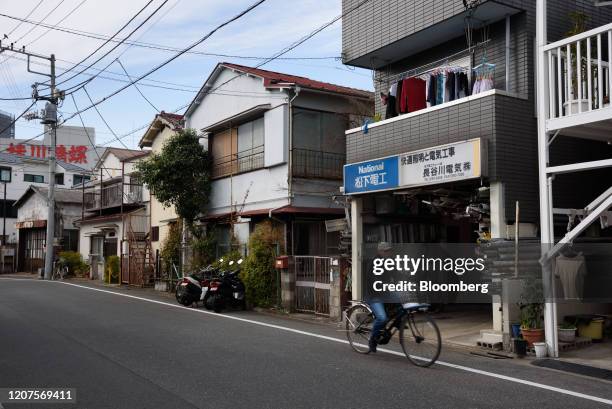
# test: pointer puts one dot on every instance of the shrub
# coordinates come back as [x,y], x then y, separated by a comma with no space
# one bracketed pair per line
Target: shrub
[203,249]
[258,272]
[171,247]
[76,265]
[112,269]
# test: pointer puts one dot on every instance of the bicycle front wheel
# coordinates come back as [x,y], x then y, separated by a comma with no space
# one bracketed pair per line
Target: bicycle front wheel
[420,339]
[359,320]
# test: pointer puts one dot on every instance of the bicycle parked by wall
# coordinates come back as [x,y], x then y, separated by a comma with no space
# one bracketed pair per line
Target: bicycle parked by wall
[419,335]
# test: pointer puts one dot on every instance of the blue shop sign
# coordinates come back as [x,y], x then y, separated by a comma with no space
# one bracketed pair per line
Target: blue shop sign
[371,176]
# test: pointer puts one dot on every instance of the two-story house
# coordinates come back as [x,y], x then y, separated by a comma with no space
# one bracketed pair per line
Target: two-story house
[115,217]
[455,159]
[278,147]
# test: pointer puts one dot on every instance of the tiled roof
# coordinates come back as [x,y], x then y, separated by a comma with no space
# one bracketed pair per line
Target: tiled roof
[273,79]
[176,120]
[124,154]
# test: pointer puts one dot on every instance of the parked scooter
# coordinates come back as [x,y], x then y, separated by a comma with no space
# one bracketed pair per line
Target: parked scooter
[226,290]
[194,288]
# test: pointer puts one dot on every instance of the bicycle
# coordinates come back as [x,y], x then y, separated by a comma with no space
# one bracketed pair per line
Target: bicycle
[421,343]
[60,270]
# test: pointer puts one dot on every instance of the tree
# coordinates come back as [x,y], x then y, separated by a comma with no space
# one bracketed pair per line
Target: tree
[180,175]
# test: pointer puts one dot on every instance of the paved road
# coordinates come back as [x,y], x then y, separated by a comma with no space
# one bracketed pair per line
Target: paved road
[122,352]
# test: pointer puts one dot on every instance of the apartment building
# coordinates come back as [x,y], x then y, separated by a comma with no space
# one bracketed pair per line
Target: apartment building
[455,157]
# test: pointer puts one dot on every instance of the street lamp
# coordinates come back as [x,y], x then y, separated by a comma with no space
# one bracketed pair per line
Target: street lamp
[5,177]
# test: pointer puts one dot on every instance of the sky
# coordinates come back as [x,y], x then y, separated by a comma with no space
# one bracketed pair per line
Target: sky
[261,33]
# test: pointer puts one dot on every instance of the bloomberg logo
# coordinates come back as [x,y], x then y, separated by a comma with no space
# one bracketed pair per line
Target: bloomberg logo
[370,176]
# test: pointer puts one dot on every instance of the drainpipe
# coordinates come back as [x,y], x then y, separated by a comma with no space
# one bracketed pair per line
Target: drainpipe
[296,90]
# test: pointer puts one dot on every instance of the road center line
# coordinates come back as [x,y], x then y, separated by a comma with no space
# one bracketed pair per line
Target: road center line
[342,341]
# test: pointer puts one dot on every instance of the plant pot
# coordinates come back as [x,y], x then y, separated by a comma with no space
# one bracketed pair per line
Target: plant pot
[540,349]
[567,334]
[572,107]
[516,330]
[532,335]
[520,347]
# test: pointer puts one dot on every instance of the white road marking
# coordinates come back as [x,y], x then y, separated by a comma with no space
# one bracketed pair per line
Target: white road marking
[342,341]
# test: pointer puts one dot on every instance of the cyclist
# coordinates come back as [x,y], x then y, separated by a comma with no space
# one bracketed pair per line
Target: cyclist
[378,307]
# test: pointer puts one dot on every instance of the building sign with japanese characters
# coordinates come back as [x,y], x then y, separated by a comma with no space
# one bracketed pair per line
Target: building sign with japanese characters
[76,154]
[441,164]
[370,176]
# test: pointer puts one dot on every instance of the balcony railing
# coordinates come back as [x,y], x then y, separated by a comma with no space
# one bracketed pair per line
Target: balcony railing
[317,164]
[237,163]
[114,195]
[578,71]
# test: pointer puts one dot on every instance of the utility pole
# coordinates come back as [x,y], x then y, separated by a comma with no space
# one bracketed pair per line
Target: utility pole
[49,119]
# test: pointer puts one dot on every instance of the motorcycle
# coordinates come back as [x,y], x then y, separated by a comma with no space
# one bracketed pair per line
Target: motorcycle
[226,290]
[194,288]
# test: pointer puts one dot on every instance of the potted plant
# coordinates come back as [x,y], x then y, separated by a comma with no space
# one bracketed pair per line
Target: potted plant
[579,25]
[567,332]
[532,322]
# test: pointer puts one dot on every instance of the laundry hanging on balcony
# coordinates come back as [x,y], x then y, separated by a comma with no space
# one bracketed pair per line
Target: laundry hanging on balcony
[483,77]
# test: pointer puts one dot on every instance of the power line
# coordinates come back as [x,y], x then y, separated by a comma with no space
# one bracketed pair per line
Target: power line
[159,47]
[276,56]
[87,81]
[102,118]
[17,117]
[87,133]
[136,86]
[169,60]
[39,23]
[21,22]
[78,6]
[114,35]
[294,45]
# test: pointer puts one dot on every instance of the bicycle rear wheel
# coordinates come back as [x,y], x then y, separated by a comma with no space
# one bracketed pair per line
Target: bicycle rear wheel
[420,339]
[359,320]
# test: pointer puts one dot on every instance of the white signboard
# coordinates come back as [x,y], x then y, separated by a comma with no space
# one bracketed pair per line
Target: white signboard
[441,164]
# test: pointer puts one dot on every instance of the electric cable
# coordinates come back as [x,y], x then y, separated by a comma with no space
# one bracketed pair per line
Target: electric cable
[102,118]
[106,42]
[27,16]
[159,47]
[137,88]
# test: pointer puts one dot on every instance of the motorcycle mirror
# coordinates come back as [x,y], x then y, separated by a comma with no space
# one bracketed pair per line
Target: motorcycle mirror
[239,261]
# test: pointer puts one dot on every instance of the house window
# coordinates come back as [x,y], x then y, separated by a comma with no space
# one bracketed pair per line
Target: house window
[59,178]
[5,174]
[155,233]
[79,179]
[27,177]
[223,149]
[238,149]
[319,144]
[251,145]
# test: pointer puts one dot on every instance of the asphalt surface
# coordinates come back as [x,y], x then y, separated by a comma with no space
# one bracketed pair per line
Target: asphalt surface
[122,352]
